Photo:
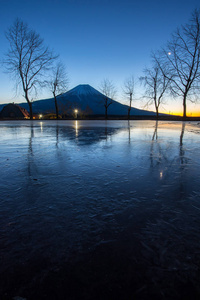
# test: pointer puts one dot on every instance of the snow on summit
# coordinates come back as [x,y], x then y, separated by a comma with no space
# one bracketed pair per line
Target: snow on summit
[83,89]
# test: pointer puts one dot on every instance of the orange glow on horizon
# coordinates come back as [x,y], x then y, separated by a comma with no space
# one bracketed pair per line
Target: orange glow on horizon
[180,113]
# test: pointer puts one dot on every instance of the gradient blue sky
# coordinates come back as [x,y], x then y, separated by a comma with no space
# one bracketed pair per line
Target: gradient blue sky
[96,39]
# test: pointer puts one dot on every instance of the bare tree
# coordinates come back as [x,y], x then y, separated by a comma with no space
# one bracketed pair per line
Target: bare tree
[129,90]
[156,84]
[182,58]
[108,90]
[58,82]
[27,58]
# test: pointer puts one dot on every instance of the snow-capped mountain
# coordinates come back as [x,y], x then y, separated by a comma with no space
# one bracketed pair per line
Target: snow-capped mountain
[87,100]
[83,89]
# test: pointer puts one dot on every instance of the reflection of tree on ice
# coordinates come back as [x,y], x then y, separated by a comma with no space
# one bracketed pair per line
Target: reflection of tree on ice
[157,156]
[181,142]
[153,157]
[32,167]
[183,162]
[129,132]
[155,131]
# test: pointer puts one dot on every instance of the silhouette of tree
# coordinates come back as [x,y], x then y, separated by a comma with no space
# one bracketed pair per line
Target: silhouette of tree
[156,84]
[27,58]
[108,90]
[129,90]
[182,59]
[58,82]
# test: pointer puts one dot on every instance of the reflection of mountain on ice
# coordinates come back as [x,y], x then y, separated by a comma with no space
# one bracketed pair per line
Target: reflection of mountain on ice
[88,135]
[87,100]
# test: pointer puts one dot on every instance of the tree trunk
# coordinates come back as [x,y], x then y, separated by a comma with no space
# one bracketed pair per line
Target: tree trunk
[184,106]
[31,110]
[106,112]
[157,114]
[56,106]
[129,110]
[29,103]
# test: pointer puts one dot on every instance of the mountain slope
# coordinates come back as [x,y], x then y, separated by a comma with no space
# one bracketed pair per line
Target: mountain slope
[86,100]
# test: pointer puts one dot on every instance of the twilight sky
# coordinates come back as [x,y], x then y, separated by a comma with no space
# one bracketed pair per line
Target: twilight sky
[97,39]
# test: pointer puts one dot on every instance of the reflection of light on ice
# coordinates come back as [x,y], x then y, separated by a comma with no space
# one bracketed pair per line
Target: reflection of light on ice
[161,174]
[41,126]
[76,127]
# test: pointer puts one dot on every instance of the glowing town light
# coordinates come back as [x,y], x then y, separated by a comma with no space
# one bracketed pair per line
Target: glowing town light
[40,116]
[76,113]
[161,174]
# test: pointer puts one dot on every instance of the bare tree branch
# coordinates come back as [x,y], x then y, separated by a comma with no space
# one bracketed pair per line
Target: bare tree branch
[27,58]
[181,58]
[128,89]
[58,82]
[108,90]
[156,84]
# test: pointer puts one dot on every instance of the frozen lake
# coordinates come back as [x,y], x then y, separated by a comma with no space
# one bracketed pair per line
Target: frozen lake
[99,210]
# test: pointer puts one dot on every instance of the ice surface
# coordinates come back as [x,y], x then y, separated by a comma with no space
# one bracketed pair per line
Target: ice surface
[100,197]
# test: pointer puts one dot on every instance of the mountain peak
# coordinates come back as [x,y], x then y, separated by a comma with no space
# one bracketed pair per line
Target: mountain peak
[83,89]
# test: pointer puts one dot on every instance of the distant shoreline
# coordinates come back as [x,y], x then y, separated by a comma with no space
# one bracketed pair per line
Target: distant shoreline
[115,118]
